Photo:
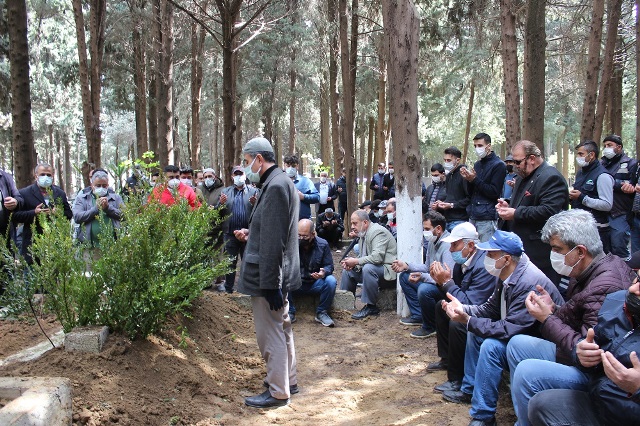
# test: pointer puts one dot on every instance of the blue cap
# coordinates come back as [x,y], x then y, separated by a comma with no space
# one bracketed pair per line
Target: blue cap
[507,242]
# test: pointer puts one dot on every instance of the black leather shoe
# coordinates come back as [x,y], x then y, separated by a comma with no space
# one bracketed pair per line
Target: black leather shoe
[451,385]
[458,397]
[490,422]
[438,366]
[368,310]
[293,389]
[265,400]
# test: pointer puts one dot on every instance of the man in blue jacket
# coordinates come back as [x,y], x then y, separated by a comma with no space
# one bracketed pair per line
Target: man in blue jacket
[491,324]
[485,185]
[307,191]
[316,271]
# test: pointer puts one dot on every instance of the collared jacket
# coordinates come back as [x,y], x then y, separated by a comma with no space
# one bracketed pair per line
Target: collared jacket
[226,210]
[322,217]
[342,183]
[212,195]
[271,259]
[458,194]
[319,256]
[437,251]
[440,196]
[486,319]
[85,211]
[486,188]
[376,179]
[164,195]
[8,189]
[589,181]
[475,285]
[311,196]
[331,193]
[623,169]
[381,249]
[570,322]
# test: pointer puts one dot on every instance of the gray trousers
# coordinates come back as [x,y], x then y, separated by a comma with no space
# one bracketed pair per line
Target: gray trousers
[275,340]
[371,276]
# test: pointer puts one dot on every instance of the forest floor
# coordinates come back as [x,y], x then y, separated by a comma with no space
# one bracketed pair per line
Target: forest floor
[199,370]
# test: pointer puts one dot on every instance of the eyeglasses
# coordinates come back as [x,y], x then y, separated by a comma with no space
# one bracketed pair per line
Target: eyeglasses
[517,162]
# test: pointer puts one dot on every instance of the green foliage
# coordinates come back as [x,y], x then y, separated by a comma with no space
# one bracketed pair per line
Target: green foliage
[160,261]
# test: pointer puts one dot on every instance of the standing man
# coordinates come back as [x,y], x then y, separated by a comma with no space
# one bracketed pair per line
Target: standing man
[389,183]
[485,185]
[173,190]
[326,192]
[10,200]
[454,207]
[376,183]
[623,169]
[593,189]
[436,191]
[539,192]
[237,203]
[40,198]
[307,192]
[211,187]
[341,189]
[271,269]
[510,178]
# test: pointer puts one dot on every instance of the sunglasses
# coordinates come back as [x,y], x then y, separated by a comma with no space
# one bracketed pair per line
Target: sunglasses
[517,162]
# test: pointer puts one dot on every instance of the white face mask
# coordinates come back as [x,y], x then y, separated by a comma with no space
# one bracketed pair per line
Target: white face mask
[390,217]
[435,179]
[558,265]
[391,171]
[490,266]
[187,182]
[209,182]
[428,235]
[251,175]
[100,191]
[381,171]
[239,180]
[481,151]
[173,183]
[581,161]
[449,165]
[45,181]
[380,213]
[291,172]
[323,179]
[608,153]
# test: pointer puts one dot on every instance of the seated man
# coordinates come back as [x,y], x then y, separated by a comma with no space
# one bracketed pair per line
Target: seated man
[604,386]
[372,268]
[492,324]
[329,226]
[316,269]
[576,252]
[391,224]
[471,284]
[418,287]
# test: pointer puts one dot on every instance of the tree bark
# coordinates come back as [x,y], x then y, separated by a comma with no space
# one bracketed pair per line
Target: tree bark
[534,73]
[23,147]
[467,128]
[593,67]
[615,110]
[614,10]
[372,137]
[325,125]
[402,24]
[139,76]
[381,134]
[510,85]
[338,154]
[293,10]
[165,86]
[197,51]
[637,79]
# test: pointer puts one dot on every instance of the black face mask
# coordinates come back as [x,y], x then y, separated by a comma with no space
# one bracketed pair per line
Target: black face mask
[632,306]
[305,244]
[510,168]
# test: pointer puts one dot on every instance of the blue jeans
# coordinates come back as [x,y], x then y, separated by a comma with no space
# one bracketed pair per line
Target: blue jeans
[635,235]
[325,287]
[535,375]
[620,235]
[484,360]
[453,224]
[485,228]
[422,299]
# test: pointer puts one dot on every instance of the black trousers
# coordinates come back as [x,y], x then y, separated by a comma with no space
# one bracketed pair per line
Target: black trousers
[452,340]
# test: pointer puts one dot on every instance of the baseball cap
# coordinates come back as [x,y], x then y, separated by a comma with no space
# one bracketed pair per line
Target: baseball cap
[257,145]
[463,231]
[507,242]
[365,204]
[509,158]
[382,204]
[237,169]
[634,262]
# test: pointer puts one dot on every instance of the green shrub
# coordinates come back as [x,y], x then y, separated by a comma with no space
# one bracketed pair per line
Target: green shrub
[151,268]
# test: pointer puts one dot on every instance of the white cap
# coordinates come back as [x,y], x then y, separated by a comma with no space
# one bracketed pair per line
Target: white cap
[463,231]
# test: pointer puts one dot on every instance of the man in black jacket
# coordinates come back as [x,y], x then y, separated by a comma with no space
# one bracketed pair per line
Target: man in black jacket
[330,227]
[454,207]
[540,192]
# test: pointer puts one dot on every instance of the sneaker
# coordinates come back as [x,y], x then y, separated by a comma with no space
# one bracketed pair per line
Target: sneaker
[411,321]
[422,333]
[438,366]
[292,317]
[324,319]
[368,310]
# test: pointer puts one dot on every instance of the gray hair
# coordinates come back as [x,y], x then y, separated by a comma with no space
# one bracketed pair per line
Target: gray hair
[574,227]
[42,164]
[362,215]
[99,174]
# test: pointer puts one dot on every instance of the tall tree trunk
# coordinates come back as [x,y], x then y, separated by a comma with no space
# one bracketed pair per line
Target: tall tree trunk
[372,137]
[614,10]
[153,79]
[325,125]
[268,101]
[67,163]
[139,76]
[293,10]
[381,134]
[467,128]
[59,164]
[197,51]
[510,73]
[338,154]
[23,148]
[615,110]
[363,150]
[637,79]
[165,87]
[593,67]
[229,75]
[215,152]
[348,97]
[401,23]
[533,86]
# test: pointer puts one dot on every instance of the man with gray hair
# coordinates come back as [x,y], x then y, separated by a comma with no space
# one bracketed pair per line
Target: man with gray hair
[372,268]
[576,252]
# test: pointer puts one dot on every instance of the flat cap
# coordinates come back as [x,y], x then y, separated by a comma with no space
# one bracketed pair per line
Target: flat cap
[257,145]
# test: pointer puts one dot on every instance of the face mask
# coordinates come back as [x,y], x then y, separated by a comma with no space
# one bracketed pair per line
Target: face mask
[581,161]
[209,182]
[304,243]
[239,180]
[152,184]
[481,151]
[391,171]
[632,307]
[448,165]
[381,171]
[510,168]
[173,183]
[100,192]
[428,235]
[457,256]
[376,213]
[323,179]
[490,266]
[291,172]
[435,179]
[558,265]
[45,181]
[608,153]
[390,217]
[380,213]
[187,182]
[252,176]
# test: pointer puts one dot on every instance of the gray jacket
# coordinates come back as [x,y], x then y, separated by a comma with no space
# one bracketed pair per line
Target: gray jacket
[271,257]
[436,252]
[85,211]
[249,191]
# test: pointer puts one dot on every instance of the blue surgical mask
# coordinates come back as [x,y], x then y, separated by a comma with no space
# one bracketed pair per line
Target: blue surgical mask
[252,176]
[100,191]
[457,256]
[45,181]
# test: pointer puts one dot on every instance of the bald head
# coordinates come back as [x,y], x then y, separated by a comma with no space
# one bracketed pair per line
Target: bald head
[305,226]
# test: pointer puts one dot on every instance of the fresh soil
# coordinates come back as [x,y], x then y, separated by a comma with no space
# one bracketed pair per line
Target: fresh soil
[199,370]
